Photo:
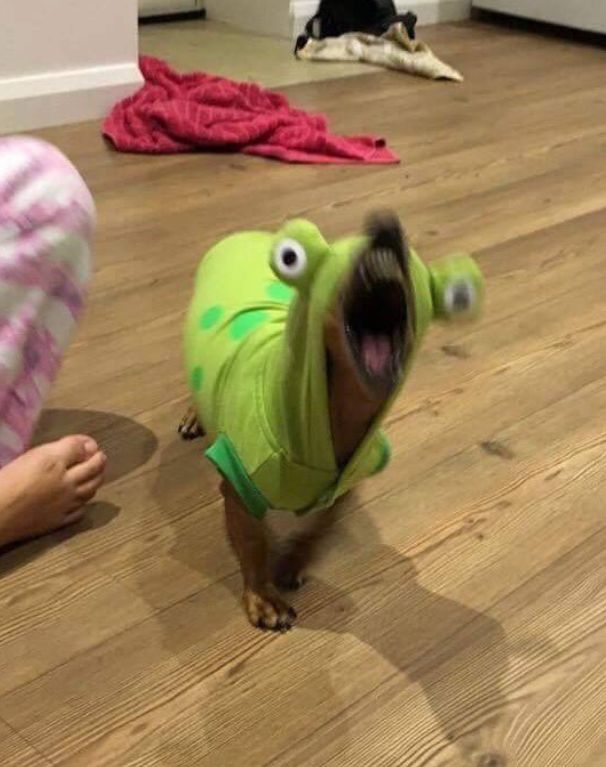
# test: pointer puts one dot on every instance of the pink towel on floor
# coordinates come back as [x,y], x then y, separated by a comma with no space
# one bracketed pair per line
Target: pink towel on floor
[183,113]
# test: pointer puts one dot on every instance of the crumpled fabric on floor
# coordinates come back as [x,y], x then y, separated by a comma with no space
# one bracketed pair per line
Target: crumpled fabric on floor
[175,112]
[393,50]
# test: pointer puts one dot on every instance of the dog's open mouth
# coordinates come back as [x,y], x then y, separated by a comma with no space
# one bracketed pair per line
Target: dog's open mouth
[376,316]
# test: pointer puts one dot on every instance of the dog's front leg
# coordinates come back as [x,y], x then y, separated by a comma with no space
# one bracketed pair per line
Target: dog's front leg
[262,602]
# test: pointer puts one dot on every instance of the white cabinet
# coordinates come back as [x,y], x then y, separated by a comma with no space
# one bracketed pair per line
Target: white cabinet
[589,15]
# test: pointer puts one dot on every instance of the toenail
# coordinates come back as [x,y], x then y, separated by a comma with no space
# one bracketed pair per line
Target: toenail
[90,447]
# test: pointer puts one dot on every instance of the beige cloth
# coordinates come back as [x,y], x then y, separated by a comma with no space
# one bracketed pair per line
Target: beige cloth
[394,50]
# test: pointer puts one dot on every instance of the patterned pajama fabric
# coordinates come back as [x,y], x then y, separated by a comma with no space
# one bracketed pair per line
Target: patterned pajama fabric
[46,222]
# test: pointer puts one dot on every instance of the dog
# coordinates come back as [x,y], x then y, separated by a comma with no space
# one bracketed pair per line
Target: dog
[296,350]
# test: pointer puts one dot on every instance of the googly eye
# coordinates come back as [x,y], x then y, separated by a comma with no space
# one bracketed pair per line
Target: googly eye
[459,297]
[290,259]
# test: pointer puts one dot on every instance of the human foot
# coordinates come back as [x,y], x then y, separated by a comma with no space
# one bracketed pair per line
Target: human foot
[47,487]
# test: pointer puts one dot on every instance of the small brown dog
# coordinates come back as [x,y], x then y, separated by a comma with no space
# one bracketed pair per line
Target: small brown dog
[296,349]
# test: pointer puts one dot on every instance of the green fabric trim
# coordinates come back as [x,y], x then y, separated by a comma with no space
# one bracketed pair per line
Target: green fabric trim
[385,454]
[223,455]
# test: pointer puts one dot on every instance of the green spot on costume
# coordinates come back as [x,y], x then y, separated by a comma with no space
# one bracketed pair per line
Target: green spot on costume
[244,323]
[263,398]
[210,317]
[280,291]
[196,378]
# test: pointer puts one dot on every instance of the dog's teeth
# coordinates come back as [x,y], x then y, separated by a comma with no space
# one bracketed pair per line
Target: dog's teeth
[374,268]
[386,263]
[379,264]
[382,260]
[366,275]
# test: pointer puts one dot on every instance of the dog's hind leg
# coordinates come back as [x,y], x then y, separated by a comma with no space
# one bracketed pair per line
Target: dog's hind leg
[190,427]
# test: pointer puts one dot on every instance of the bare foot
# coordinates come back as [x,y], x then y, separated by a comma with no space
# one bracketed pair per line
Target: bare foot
[47,487]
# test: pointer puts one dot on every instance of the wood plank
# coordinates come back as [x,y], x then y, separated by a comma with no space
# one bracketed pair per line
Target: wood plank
[489,697]
[55,606]
[15,752]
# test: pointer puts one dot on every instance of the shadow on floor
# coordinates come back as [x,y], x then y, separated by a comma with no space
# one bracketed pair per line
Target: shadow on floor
[128,446]
[126,443]
[458,655]
[98,514]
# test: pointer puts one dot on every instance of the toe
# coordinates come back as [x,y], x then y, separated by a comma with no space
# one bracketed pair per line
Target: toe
[85,471]
[87,490]
[75,449]
[279,617]
[73,517]
[270,619]
[287,620]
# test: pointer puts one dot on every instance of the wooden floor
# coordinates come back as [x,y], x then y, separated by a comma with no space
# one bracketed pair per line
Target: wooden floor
[212,46]
[460,618]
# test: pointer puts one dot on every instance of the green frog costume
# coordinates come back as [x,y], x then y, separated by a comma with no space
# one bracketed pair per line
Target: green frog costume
[256,360]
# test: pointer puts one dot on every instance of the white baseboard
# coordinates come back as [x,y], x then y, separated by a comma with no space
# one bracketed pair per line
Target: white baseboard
[165,7]
[427,11]
[58,98]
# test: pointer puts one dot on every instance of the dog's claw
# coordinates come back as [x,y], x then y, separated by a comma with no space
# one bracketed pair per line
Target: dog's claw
[190,427]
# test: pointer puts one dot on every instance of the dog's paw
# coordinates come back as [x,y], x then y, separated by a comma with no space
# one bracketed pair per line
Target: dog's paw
[266,610]
[190,427]
[288,577]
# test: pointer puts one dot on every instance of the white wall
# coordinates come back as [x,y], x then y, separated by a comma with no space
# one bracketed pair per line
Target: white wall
[581,14]
[65,60]
[437,11]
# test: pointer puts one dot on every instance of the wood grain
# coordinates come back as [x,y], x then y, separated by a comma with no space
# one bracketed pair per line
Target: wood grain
[15,752]
[459,617]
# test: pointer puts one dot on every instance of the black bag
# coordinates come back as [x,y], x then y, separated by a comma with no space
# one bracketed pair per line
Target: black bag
[337,17]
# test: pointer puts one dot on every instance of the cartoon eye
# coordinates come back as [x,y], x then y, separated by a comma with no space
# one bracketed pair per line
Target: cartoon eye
[459,297]
[290,259]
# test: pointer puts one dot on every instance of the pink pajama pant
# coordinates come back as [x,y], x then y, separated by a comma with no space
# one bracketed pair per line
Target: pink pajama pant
[46,221]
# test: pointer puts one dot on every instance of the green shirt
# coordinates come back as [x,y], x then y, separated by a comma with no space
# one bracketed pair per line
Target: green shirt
[256,362]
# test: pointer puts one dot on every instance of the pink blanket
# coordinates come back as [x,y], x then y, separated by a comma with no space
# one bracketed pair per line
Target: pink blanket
[183,113]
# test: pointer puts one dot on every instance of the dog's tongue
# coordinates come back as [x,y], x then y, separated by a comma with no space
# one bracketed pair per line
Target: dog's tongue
[376,353]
